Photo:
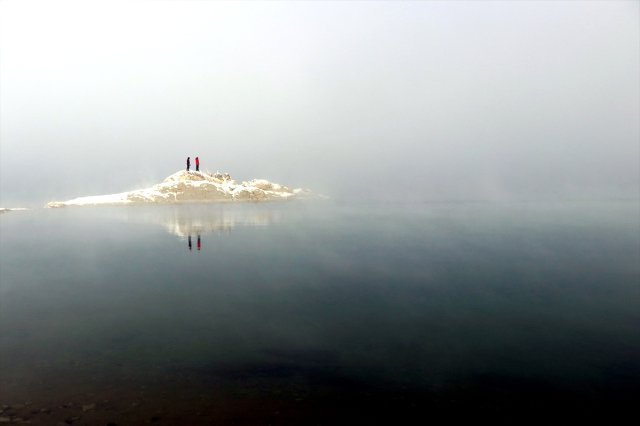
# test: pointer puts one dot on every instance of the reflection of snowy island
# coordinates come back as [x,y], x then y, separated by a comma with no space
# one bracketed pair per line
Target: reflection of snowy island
[181,224]
[186,187]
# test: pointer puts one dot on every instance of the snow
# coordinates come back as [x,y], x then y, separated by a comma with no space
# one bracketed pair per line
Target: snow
[186,187]
[13,209]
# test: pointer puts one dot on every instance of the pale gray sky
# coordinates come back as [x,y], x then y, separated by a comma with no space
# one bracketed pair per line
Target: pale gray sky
[425,100]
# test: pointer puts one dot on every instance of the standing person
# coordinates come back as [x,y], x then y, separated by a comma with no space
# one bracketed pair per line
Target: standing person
[197,164]
[188,163]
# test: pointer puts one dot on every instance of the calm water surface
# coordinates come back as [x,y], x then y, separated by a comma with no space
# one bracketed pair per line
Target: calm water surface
[320,313]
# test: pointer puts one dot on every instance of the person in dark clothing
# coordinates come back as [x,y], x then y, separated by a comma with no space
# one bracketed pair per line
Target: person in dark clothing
[197,164]
[199,244]
[188,163]
[189,240]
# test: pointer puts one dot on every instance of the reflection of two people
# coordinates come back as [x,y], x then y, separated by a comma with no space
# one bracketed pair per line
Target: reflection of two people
[198,243]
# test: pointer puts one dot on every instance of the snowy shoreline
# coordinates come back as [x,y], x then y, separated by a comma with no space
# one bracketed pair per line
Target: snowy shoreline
[12,209]
[189,187]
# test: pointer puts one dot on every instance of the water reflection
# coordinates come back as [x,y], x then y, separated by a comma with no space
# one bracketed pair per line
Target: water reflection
[199,243]
[189,221]
[184,224]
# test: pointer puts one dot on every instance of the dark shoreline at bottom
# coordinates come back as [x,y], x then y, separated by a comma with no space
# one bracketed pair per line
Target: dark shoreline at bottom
[318,402]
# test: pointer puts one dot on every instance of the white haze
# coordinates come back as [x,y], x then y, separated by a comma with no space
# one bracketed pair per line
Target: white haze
[399,100]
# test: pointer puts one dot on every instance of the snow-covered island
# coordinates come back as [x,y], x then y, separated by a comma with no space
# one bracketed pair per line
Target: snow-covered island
[190,187]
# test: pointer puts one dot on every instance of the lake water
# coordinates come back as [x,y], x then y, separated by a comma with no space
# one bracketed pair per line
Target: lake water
[320,313]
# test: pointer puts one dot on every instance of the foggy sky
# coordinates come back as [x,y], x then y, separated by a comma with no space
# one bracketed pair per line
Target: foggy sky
[399,100]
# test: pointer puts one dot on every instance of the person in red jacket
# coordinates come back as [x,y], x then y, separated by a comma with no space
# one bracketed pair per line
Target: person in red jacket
[197,164]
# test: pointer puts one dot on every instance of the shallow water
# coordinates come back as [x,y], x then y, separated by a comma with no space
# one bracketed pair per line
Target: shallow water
[319,312]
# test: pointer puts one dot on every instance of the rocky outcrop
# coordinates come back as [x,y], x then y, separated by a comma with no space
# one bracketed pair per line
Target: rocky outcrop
[189,187]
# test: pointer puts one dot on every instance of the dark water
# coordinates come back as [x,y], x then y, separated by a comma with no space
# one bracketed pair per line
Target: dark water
[320,313]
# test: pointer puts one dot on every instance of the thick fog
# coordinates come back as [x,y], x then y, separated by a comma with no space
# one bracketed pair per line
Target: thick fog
[394,100]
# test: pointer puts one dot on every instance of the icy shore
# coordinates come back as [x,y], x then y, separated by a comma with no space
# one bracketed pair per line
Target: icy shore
[189,187]
[5,210]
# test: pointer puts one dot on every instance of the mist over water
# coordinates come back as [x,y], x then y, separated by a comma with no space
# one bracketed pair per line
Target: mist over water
[369,100]
[478,256]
